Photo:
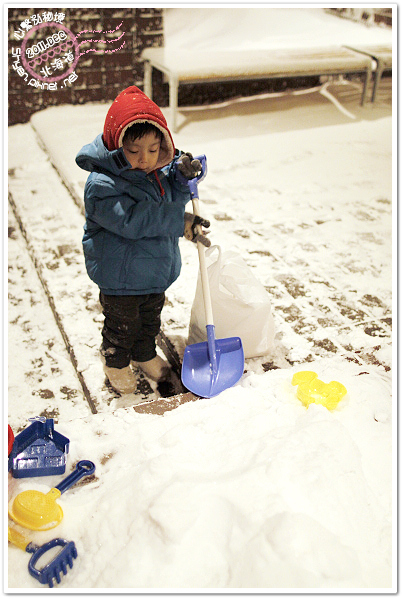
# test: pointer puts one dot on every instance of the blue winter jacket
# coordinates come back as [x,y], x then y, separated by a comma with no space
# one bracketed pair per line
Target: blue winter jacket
[132,229]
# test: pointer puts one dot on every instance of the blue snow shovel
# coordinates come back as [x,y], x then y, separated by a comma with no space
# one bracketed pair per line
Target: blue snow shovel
[216,364]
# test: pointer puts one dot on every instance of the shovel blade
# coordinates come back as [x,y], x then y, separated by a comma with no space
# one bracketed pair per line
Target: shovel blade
[36,510]
[206,379]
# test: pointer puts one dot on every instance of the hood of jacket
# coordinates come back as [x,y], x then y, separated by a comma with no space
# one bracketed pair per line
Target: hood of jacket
[96,157]
[133,106]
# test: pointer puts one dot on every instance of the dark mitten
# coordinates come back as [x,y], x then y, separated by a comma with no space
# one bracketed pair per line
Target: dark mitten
[188,166]
[193,229]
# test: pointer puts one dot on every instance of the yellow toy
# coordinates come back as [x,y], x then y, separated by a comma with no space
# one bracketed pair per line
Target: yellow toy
[312,390]
[39,511]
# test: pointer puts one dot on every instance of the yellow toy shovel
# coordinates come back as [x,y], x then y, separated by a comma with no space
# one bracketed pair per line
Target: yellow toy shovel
[40,511]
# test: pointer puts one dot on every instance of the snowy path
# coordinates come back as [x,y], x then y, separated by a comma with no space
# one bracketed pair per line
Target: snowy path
[48,384]
[55,247]
[339,305]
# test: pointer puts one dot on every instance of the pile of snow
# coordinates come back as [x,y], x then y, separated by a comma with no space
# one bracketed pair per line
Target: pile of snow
[248,490]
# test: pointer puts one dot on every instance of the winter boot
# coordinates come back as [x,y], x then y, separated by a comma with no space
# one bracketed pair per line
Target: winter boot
[156,369]
[122,380]
[159,371]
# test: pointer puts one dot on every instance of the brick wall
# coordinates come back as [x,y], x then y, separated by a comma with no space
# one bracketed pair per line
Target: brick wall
[379,16]
[100,76]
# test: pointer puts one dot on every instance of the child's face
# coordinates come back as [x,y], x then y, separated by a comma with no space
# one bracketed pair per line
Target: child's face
[143,152]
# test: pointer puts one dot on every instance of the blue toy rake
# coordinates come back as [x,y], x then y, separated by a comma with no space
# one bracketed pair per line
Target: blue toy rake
[54,568]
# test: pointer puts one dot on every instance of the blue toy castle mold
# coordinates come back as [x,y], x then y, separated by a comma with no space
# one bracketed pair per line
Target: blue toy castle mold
[38,450]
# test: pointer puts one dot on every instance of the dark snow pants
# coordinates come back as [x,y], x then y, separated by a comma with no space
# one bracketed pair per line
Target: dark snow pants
[131,325]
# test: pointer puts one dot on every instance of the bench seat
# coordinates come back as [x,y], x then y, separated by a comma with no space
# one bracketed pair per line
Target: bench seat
[185,67]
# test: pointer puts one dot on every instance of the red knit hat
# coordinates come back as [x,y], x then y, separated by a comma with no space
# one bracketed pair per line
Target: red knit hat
[133,106]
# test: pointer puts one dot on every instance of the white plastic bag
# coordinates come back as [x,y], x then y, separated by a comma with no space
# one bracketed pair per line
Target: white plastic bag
[240,303]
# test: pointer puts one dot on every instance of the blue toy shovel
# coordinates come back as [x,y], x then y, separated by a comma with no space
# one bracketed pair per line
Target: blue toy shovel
[214,365]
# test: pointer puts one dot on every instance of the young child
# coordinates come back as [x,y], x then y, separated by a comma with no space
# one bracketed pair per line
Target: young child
[135,213]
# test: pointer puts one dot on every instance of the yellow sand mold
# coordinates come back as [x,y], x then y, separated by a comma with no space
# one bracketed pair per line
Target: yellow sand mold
[312,390]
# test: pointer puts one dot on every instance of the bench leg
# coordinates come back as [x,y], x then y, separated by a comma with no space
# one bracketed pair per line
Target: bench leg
[173,101]
[378,75]
[148,86]
[365,87]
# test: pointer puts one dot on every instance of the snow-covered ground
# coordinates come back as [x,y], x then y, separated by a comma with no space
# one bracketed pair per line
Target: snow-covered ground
[248,491]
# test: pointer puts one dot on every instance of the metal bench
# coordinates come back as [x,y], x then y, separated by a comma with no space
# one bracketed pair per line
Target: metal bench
[189,67]
[383,58]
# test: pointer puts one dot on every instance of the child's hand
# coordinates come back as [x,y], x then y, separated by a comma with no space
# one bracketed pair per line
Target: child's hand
[188,166]
[193,229]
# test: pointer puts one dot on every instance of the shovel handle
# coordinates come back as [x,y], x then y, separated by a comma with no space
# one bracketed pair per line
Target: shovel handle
[83,468]
[17,538]
[192,183]
[203,270]
[194,194]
